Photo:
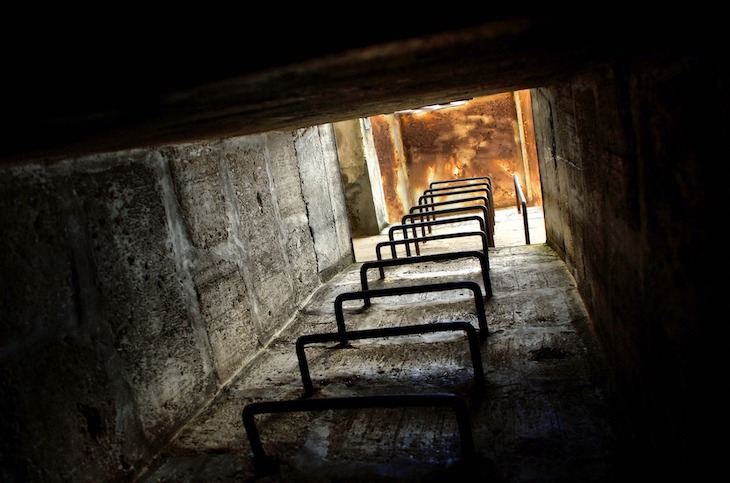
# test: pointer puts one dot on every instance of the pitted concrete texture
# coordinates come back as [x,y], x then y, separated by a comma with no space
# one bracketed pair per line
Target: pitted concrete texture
[538,417]
[319,171]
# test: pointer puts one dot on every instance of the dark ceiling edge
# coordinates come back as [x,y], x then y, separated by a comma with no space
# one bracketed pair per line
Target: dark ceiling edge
[45,122]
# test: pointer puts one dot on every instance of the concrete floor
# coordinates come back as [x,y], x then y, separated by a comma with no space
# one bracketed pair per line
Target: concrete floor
[540,415]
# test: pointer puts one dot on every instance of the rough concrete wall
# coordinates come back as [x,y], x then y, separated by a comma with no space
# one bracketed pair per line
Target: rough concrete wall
[360,177]
[376,183]
[626,160]
[319,169]
[136,284]
[72,378]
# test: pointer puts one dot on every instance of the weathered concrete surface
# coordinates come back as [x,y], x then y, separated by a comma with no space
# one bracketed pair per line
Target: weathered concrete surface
[361,177]
[628,181]
[136,284]
[542,416]
[324,198]
[626,120]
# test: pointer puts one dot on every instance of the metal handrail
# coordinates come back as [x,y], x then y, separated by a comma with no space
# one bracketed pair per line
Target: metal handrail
[522,207]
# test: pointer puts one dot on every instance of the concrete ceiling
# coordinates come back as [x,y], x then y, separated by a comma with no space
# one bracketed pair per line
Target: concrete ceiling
[90,88]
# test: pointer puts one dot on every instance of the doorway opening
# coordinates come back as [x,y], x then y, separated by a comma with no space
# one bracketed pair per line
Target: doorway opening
[388,161]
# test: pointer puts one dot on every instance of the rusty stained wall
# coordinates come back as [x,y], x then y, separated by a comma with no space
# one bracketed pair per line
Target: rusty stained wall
[530,178]
[489,136]
[393,166]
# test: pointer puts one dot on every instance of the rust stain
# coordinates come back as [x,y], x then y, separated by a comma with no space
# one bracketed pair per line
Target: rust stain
[480,138]
[389,168]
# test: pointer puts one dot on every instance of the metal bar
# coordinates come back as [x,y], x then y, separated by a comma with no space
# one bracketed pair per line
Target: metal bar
[426,206]
[264,463]
[393,243]
[469,182]
[490,219]
[450,193]
[466,181]
[522,206]
[431,192]
[436,257]
[449,188]
[461,209]
[450,202]
[393,228]
[432,287]
[426,197]
[471,333]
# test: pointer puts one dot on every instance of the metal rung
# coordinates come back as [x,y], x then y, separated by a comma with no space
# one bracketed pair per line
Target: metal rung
[434,191]
[393,243]
[432,215]
[430,206]
[476,357]
[460,219]
[436,257]
[366,295]
[467,181]
[465,188]
[264,463]
[430,194]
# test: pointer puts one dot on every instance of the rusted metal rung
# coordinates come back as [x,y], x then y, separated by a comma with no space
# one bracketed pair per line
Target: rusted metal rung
[366,295]
[436,257]
[264,463]
[476,357]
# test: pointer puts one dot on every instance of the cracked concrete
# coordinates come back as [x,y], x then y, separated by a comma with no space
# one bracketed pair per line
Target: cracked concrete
[540,415]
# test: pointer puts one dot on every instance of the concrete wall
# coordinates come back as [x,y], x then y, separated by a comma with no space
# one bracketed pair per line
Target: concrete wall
[361,177]
[628,165]
[136,284]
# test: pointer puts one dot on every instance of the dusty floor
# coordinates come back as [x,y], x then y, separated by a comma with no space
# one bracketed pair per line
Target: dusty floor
[539,415]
